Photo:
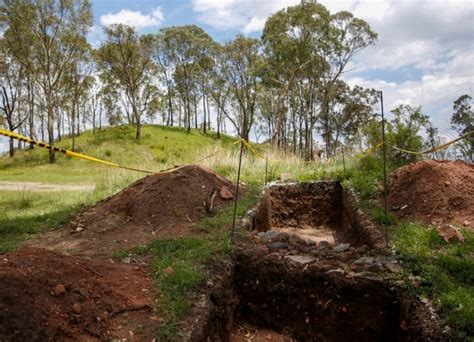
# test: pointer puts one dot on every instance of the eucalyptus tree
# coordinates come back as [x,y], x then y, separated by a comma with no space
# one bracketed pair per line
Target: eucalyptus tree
[186,48]
[462,121]
[240,62]
[125,61]
[51,31]
[11,86]
[307,50]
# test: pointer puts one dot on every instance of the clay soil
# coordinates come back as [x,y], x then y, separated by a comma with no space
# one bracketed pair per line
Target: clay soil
[163,205]
[45,296]
[86,296]
[434,192]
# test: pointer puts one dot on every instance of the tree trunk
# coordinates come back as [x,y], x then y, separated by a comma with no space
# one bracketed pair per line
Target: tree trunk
[12,148]
[204,111]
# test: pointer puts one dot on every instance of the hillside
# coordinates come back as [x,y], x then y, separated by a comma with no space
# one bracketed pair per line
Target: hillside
[159,148]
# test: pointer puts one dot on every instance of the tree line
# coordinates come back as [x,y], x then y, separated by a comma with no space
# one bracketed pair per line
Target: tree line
[286,86]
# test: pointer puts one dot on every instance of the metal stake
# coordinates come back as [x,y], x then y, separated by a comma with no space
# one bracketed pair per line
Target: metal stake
[384,171]
[237,191]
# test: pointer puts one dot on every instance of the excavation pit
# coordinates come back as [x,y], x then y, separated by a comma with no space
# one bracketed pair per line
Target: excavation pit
[316,212]
[285,284]
[267,296]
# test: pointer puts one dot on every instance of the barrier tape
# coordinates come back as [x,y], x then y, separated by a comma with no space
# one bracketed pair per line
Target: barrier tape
[436,148]
[96,160]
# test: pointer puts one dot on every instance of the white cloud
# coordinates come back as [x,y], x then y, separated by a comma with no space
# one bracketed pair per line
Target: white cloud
[246,15]
[435,91]
[134,18]
[434,39]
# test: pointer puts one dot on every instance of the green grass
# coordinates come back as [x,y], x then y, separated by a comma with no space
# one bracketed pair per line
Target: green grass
[446,270]
[26,213]
[160,147]
[188,257]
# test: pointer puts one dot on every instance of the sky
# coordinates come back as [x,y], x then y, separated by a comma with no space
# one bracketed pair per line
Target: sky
[424,55]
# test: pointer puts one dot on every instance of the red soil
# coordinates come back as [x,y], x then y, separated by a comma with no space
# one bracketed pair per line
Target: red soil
[47,296]
[163,205]
[434,192]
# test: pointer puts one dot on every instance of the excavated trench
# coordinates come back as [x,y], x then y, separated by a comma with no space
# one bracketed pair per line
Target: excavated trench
[313,270]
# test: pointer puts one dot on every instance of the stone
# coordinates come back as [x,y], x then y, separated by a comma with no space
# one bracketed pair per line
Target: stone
[368,275]
[324,245]
[246,224]
[341,247]
[337,271]
[225,193]
[403,207]
[301,259]
[127,260]
[59,290]
[364,261]
[392,267]
[275,246]
[269,235]
[79,229]
[296,240]
[375,267]
[77,308]
[168,271]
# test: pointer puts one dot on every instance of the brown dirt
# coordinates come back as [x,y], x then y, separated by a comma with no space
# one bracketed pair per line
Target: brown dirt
[317,211]
[434,192]
[163,205]
[47,296]
[248,333]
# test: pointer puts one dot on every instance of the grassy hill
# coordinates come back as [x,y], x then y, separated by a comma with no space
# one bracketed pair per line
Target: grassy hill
[27,212]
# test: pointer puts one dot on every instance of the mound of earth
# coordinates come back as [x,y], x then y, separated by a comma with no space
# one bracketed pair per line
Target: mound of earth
[434,192]
[162,205]
[50,297]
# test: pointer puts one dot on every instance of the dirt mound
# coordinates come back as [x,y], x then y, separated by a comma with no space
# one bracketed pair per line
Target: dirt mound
[47,296]
[434,192]
[154,206]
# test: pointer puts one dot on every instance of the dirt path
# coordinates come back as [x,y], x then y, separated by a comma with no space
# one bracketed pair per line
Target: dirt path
[31,186]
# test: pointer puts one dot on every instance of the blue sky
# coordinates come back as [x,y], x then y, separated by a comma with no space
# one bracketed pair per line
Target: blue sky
[424,55]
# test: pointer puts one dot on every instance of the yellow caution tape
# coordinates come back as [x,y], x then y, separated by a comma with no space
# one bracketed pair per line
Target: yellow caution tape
[436,148]
[257,153]
[67,152]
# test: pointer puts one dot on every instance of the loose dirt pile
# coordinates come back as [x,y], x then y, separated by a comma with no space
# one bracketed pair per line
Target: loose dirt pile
[434,192]
[160,205]
[47,296]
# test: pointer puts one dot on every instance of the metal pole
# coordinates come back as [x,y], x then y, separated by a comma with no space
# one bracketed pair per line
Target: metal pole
[384,171]
[237,191]
[343,160]
[266,168]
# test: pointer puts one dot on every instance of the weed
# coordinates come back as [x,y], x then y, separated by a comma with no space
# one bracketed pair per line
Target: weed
[447,271]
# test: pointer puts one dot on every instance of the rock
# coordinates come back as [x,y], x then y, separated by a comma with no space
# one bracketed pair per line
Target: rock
[269,235]
[341,247]
[77,308]
[403,207]
[225,193]
[168,271]
[375,267]
[368,275]
[324,245]
[337,271]
[466,223]
[449,232]
[364,261]
[301,259]
[59,290]
[394,268]
[246,224]
[275,246]
[296,240]
[127,260]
